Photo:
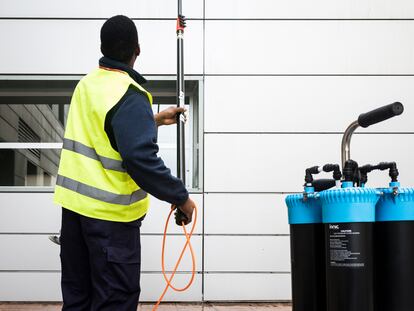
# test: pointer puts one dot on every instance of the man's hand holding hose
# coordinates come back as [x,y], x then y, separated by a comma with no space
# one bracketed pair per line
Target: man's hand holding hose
[185,210]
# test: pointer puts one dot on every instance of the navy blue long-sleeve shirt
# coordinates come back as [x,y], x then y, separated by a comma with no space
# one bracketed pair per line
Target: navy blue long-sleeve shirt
[132,131]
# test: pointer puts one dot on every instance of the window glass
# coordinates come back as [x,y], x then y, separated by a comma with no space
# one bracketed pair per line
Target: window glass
[28,167]
[33,114]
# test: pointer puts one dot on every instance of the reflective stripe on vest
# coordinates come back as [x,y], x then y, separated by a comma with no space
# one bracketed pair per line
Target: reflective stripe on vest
[109,164]
[98,194]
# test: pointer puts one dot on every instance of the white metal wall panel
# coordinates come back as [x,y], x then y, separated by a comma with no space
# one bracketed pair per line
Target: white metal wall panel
[245,213]
[19,210]
[28,213]
[247,253]
[309,47]
[28,252]
[157,215]
[152,286]
[44,255]
[151,253]
[249,286]
[30,286]
[303,104]
[309,9]
[72,46]
[99,8]
[276,163]
[45,286]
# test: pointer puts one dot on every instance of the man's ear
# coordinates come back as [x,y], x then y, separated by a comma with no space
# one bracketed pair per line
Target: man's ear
[137,50]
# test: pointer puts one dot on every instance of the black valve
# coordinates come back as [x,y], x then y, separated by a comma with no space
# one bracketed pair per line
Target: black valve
[391,166]
[335,168]
[364,170]
[309,172]
[394,173]
[350,171]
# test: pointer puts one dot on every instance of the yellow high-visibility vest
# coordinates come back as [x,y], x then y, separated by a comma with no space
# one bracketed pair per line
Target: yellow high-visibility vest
[91,180]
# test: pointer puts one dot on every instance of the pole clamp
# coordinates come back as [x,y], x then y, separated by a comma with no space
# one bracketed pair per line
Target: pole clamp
[181,23]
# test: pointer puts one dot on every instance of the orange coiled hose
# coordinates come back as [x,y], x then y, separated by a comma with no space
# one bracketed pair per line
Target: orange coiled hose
[187,243]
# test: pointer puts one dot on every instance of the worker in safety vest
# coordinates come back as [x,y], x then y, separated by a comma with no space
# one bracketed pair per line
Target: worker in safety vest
[108,168]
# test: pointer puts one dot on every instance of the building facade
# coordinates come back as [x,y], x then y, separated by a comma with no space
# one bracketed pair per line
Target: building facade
[271,85]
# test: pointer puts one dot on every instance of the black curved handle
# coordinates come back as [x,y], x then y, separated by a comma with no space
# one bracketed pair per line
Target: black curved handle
[380,114]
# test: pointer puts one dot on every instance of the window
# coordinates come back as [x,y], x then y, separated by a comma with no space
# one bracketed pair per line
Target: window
[33,112]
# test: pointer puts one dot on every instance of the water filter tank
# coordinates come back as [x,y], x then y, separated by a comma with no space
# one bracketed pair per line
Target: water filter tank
[348,214]
[394,249]
[307,251]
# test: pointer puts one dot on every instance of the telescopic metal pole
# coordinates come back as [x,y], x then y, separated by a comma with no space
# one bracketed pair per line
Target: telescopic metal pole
[180,95]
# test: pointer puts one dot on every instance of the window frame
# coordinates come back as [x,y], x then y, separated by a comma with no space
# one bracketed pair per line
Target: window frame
[196,131]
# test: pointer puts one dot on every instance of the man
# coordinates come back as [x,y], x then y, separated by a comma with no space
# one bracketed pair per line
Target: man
[108,165]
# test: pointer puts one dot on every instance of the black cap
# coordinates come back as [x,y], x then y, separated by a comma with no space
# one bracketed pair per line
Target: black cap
[119,38]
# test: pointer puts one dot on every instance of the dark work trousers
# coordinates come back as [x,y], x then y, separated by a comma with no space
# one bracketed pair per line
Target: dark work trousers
[100,263]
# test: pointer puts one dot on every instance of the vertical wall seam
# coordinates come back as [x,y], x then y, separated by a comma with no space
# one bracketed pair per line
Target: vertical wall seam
[203,118]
